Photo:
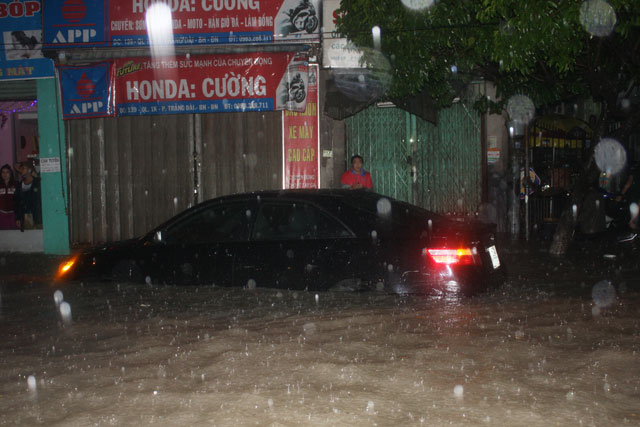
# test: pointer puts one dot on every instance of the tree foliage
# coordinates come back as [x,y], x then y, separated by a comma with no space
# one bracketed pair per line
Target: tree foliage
[534,47]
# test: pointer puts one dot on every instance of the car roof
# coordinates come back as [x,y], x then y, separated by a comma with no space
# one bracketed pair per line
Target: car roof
[359,199]
[307,194]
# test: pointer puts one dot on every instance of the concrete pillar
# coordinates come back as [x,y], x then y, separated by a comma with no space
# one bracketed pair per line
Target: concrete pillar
[55,194]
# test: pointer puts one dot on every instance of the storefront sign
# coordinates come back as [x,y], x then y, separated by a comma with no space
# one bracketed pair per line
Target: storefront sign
[301,140]
[186,84]
[49,164]
[77,23]
[21,30]
[337,51]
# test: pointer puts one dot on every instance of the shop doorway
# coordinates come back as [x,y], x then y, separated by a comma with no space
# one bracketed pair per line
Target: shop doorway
[21,201]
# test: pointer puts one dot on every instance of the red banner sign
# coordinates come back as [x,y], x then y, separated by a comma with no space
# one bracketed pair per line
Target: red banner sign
[187,84]
[84,23]
[301,140]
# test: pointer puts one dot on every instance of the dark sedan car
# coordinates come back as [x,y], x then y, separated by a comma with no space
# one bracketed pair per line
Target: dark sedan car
[303,239]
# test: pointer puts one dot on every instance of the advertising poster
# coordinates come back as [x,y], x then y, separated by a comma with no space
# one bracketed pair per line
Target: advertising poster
[187,84]
[86,91]
[77,23]
[21,31]
[300,133]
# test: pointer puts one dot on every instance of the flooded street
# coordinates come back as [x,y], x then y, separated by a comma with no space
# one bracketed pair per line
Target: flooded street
[555,345]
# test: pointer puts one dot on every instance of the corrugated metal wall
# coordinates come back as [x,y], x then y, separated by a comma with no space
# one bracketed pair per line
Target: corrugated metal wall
[438,168]
[129,174]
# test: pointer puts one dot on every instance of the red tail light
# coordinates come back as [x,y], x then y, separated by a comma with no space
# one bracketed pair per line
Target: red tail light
[463,256]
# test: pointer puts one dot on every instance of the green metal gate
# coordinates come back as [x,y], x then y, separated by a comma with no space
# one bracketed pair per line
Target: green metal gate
[438,168]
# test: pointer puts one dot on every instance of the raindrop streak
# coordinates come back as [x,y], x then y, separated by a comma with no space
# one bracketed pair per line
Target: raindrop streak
[58,297]
[597,17]
[633,210]
[610,155]
[574,210]
[31,383]
[317,299]
[251,284]
[65,312]
[160,30]
[375,32]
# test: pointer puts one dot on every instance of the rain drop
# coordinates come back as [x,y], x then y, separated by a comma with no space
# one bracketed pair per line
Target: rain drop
[603,294]
[633,210]
[521,108]
[597,17]
[58,297]
[610,155]
[417,4]
[248,213]
[309,328]
[317,299]
[374,234]
[454,69]
[147,280]
[383,206]
[574,210]
[251,284]
[270,403]
[31,383]
[65,312]
[370,406]
[458,391]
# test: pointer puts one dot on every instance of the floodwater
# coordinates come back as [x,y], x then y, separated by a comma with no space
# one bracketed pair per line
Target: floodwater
[553,346]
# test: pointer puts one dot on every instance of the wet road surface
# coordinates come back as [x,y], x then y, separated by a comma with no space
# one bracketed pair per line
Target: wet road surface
[558,344]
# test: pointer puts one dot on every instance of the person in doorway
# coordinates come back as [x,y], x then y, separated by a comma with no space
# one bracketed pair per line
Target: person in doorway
[29,204]
[7,199]
[356,178]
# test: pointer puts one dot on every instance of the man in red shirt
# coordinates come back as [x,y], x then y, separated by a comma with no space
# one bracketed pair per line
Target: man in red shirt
[356,178]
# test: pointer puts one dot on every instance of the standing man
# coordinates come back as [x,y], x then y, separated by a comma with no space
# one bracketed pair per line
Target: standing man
[356,178]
